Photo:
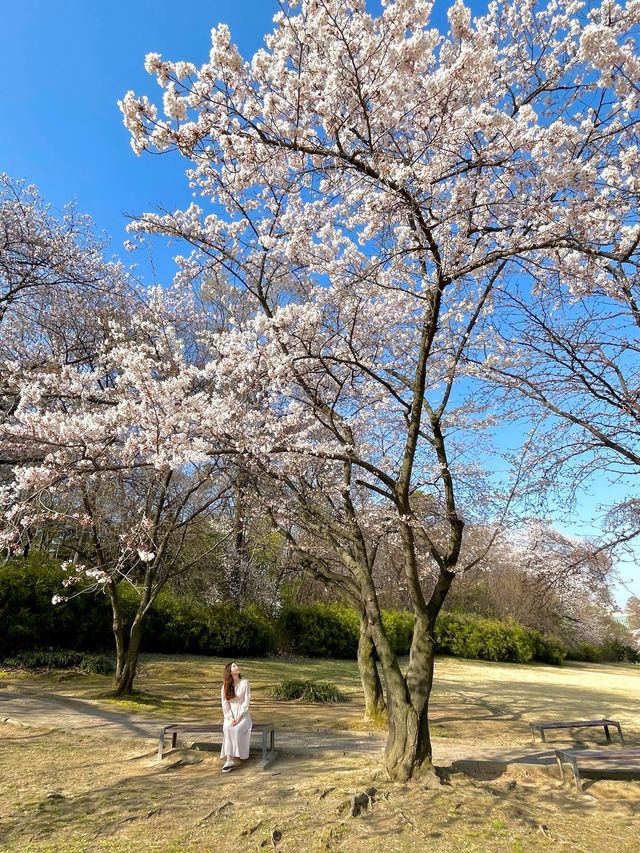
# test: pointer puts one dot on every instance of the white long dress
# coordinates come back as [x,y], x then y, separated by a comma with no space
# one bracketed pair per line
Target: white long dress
[236,739]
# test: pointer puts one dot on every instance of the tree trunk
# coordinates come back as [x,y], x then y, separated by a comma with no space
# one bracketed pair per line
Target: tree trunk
[371,684]
[408,751]
[126,671]
[127,653]
[117,624]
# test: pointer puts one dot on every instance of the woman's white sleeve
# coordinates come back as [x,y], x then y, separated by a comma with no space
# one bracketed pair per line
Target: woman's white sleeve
[226,706]
[246,699]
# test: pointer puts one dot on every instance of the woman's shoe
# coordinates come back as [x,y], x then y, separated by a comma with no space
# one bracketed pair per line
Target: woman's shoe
[228,766]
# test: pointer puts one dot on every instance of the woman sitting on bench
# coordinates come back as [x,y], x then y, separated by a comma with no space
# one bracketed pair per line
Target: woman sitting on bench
[236,731]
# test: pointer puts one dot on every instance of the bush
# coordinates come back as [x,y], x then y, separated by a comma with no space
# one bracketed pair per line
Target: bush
[619,652]
[551,650]
[61,659]
[307,691]
[30,621]
[333,630]
[98,664]
[84,622]
[610,651]
[319,630]
[177,624]
[586,652]
[398,625]
[486,639]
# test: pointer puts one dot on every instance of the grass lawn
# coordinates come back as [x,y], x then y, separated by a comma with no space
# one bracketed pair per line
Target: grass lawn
[72,792]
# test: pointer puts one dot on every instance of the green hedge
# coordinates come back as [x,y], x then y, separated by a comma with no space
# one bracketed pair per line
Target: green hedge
[30,621]
[468,636]
[318,630]
[84,623]
[612,651]
[184,625]
[398,625]
[332,630]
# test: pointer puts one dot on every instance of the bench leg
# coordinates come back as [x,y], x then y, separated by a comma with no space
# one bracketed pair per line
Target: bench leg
[542,736]
[607,735]
[620,733]
[264,746]
[174,739]
[560,768]
[160,746]
[576,773]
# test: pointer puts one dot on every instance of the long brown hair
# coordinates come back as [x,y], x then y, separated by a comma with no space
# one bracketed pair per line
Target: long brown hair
[229,689]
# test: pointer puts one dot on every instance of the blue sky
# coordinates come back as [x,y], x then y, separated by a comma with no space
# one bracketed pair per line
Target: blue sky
[65,65]
[63,68]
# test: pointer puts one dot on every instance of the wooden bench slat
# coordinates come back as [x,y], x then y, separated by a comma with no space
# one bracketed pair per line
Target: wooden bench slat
[542,727]
[266,729]
[605,754]
[561,724]
[573,756]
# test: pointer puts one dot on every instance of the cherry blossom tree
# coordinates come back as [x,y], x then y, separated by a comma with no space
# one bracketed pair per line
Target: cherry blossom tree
[536,576]
[88,367]
[104,480]
[633,612]
[367,183]
[57,290]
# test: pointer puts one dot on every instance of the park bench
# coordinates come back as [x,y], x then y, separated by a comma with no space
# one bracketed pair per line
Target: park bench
[623,758]
[265,729]
[577,724]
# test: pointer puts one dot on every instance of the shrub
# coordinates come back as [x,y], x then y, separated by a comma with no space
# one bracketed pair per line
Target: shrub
[319,630]
[333,630]
[30,621]
[610,651]
[84,622]
[307,691]
[398,625]
[239,632]
[61,659]
[585,652]
[177,624]
[98,664]
[486,639]
[619,652]
[551,650]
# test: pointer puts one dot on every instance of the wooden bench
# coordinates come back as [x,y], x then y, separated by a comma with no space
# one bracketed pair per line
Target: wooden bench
[576,756]
[577,724]
[265,729]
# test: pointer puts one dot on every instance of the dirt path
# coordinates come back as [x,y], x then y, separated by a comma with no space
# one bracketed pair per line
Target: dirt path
[30,707]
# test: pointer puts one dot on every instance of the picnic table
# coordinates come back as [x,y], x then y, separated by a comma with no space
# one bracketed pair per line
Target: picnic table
[264,729]
[621,759]
[576,724]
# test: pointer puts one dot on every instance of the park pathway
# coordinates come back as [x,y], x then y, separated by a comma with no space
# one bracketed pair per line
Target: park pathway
[33,708]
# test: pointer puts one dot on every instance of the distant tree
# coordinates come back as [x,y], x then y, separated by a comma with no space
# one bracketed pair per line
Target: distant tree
[541,578]
[632,611]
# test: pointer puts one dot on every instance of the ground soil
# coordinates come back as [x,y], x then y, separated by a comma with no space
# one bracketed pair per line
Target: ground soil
[69,791]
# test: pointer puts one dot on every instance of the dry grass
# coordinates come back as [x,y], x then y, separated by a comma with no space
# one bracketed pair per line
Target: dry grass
[68,792]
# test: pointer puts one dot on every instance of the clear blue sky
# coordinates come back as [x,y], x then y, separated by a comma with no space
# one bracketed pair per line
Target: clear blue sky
[63,68]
